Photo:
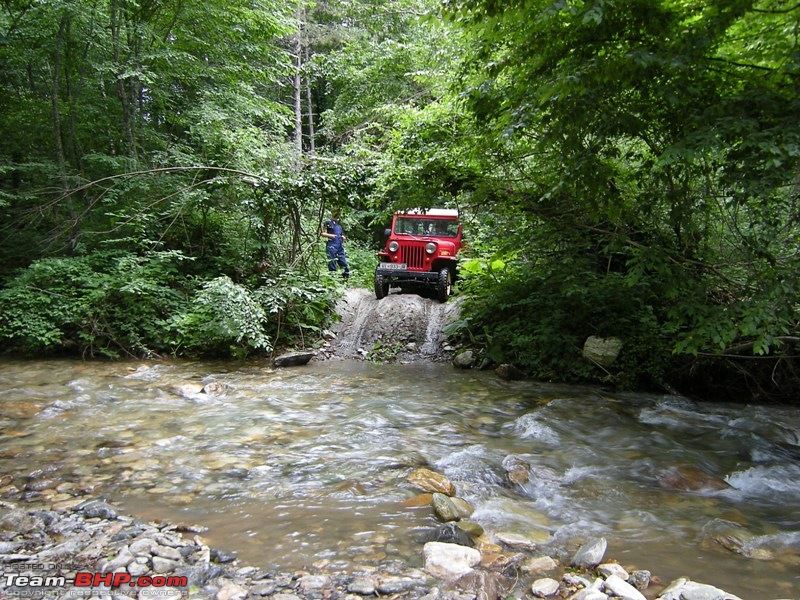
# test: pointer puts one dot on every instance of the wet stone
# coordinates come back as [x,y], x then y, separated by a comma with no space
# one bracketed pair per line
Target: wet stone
[97,509]
[164,565]
[222,556]
[451,533]
[590,554]
[542,588]
[431,481]
[266,588]
[361,585]
[444,508]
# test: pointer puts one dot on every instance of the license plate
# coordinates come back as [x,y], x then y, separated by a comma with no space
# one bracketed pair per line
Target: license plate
[394,266]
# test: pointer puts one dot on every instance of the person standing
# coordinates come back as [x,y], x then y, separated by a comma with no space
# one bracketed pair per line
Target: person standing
[334,246]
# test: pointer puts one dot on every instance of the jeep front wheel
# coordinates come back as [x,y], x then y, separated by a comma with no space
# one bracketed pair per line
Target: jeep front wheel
[381,286]
[443,285]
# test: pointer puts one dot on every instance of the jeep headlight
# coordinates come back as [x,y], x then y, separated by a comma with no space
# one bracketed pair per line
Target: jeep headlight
[430,247]
[393,246]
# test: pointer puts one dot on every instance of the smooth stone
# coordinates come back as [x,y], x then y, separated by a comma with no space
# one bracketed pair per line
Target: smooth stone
[590,554]
[444,507]
[431,481]
[619,587]
[542,588]
[449,561]
[293,359]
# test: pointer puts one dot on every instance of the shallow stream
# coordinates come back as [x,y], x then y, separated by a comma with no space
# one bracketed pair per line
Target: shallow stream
[296,466]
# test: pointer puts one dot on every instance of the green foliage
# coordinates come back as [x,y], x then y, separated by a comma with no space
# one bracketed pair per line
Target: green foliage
[540,318]
[113,303]
[382,352]
[223,318]
[104,303]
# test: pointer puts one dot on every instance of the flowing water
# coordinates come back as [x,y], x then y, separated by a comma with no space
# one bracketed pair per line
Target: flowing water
[291,467]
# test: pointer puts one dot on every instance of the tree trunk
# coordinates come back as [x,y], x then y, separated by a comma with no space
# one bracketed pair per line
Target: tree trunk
[122,91]
[298,109]
[310,108]
[58,142]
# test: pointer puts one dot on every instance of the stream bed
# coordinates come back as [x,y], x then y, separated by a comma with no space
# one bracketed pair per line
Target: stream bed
[290,467]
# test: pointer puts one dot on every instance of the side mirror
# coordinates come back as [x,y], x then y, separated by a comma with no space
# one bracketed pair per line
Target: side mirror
[387,232]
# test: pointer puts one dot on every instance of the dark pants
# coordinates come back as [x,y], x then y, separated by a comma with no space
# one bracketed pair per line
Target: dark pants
[336,256]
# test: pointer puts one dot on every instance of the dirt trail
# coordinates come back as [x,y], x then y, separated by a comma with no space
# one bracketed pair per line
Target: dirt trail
[403,326]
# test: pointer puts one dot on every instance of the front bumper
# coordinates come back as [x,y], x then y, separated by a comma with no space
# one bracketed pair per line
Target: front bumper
[398,275]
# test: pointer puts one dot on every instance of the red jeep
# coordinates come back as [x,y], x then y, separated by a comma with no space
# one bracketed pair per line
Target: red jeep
[420,252]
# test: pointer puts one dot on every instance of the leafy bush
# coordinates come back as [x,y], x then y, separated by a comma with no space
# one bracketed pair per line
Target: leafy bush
[113,303]
[223,318]
[540,318]
[103,303]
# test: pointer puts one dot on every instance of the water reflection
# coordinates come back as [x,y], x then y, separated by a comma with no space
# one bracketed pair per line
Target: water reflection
[295,466]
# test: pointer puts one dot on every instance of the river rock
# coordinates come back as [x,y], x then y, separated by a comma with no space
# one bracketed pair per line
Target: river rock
[686,589]
[509,372]
[123,558]
[470,527]
[444,508]
[640,579]
[361,585]
[542,588]
[451,533]
[727,534]
[419,500]
[603,351]
[692,479]
[516,540]
[589,594]
[464,360]
[608,569]
[22,409]
[431,481]
[619,587]
[293,359]
[518,470]
[215,388]
[231,591]
[449,561]
[590,554]
[478,584]
[465,509]
[313,585]
[97,509]
[540,564]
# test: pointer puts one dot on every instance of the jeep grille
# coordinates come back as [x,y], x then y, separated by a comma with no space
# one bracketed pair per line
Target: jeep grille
[413,256]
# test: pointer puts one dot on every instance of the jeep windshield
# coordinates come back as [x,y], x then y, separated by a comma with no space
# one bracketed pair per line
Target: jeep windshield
[426,227]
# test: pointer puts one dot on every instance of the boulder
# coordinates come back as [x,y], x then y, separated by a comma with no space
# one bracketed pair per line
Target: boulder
[449,561]
[431,481]
[590,554]
[517,470]
[542,588]
[509,372]
[444,508]
[602,351]
[619,587]
[689,478]
[451,533]
[464,360]
[293,359]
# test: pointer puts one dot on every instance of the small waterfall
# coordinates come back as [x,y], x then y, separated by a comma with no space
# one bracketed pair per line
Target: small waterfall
[437,318]
[408,325]
[357,310]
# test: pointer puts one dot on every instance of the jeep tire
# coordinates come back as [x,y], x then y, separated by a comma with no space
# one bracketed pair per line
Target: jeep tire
[381,286]
[443,285]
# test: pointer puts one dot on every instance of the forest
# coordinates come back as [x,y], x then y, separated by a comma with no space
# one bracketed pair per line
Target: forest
[623,168]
